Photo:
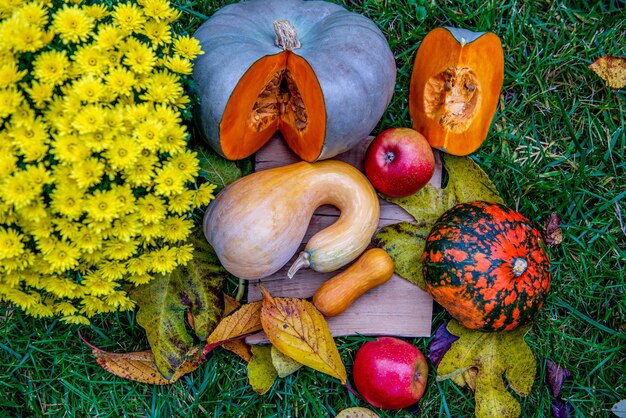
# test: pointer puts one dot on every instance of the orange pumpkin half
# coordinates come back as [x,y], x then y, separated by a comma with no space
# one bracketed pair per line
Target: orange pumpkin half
[455,87]
[319,74]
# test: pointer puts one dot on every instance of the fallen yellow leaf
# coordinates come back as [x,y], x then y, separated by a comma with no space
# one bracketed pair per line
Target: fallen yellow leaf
[298,330]
[611,69]
[238,347]
[140,366]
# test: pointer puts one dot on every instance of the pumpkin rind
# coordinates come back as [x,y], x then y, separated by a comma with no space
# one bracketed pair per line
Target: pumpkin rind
[455,87]
[350,81]
[487,266]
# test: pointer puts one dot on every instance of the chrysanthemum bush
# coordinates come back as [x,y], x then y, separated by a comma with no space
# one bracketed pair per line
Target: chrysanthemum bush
[97,183]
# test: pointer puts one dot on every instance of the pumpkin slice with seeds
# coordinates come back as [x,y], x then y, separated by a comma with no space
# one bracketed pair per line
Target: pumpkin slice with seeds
[319,74]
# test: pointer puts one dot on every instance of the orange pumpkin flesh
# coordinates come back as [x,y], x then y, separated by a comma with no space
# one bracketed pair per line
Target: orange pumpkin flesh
[269,98]
[455,87]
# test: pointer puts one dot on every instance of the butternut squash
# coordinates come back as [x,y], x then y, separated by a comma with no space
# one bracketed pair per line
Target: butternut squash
[257,223]
[372,269]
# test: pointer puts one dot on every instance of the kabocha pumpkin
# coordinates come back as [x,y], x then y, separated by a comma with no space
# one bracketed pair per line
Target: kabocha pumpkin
[319,74]
[487,266]
[455,87]
[257,223]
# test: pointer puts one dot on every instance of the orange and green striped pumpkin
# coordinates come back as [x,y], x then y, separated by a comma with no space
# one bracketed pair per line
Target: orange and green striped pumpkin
[487,266]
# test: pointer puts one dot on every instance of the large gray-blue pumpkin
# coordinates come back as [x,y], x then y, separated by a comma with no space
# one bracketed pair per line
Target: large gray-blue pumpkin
[318,73]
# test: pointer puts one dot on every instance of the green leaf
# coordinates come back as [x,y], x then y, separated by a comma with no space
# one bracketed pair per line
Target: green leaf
[468,182]
[484,359]
[261,371]
[404,242]
[283,364]
[192,291]
[217,170]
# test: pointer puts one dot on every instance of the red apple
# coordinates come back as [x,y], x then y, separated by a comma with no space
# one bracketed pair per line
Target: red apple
[399,162]
[390,373]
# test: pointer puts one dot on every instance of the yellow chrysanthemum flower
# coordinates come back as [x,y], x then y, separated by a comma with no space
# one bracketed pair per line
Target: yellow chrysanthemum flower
[142,172]
[10,74]
[139,279]
[157,9]
[88,172]
[148,134]
[112,270]
[69,149]
[168,181]
[38,175]
[72,24]
[157,32]
[122,153]
[27,38]
[119,301]
[35,14]
[116,249]
[15,190]
[188,47]
[138,265]
[151,209]
[128,17]
[108,37]
[176,229]
[8,163]
[121,81]
[97,11]
[187,164]
[163,87]
[184,253]
[101,205]
[182,202]
[89,119]
[63,256]
[8,6]
[66,228]
[40,93]
[141,59]
[65,309]
[90,59]
[179,65]
[35,211]
[76,320]
[61,287]
[10,100]
[98,285]
[88,241]
[51,67]
[163,260]
[88,89]
[98,141]
[204,194]
[11,243]
[125,198]
[126,227]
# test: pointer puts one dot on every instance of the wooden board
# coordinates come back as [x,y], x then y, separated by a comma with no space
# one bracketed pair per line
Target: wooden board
[396,308]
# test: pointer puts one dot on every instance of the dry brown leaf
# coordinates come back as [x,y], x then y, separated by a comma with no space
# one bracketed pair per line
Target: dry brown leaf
[238,347]
[298,330]
[554,233]
[140,366]
[611,69]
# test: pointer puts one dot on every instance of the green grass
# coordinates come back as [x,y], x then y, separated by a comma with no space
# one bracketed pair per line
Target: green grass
[558,143]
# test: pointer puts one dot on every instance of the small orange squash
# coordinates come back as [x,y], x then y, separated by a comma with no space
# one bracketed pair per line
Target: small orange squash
[372,269]
[455,87]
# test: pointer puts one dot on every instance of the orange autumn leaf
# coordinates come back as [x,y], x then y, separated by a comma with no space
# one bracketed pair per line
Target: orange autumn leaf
[240,322]
[238,347]
[611,69]
[298,330]
[140,366]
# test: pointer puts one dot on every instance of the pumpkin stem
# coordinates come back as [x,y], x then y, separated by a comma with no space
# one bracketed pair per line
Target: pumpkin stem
[286,35]
[519,266]
[301,261]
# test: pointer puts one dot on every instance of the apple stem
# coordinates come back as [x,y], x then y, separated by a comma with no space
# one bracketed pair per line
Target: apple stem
[390,156]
